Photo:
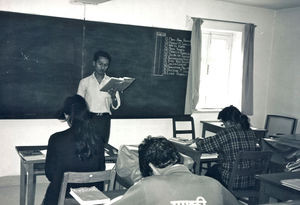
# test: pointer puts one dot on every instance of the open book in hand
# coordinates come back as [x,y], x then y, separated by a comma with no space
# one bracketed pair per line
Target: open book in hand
[89,196]
[119,84]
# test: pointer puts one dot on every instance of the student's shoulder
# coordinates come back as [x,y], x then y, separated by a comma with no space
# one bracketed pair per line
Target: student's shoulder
[58,137]
[229,131]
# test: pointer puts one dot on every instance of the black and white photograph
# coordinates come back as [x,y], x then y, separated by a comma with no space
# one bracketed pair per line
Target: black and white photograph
[140,102]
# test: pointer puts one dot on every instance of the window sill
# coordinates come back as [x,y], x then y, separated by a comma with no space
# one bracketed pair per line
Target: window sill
[208,110]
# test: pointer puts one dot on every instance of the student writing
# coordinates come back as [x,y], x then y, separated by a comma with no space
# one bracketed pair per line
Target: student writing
[237,136]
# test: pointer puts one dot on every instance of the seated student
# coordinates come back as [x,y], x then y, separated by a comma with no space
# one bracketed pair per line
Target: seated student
[168,182]
[237,136]
[75,149]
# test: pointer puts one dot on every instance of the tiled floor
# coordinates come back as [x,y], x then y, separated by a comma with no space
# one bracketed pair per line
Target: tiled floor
[10,190]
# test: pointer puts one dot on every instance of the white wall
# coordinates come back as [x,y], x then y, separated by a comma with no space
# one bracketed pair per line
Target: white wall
[284,85]
[23,132]
[157,13]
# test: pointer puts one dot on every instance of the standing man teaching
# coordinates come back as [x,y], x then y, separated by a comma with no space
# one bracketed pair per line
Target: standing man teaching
[100,103]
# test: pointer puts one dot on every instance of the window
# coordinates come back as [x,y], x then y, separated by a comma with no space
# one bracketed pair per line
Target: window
[221,70]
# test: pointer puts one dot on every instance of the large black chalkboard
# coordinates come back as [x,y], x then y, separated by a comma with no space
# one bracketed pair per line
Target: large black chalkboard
[43,58]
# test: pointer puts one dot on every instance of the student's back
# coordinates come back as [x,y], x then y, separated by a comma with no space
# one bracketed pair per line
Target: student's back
[237,136]
[71,150]
[177,184]
[166,181]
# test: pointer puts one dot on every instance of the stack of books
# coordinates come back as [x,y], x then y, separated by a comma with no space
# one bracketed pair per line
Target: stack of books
[30,155]
[293,166]
[89,196]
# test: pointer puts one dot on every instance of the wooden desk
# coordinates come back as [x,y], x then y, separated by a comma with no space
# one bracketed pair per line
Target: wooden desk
[284,141]
[293,202]
[188,151]
[216,126]
[270,186]
[282,149]
[198,157]
[30,169]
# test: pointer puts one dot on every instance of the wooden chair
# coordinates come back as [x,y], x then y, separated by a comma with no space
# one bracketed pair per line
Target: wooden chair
[277,124]
[108,177]
[259,161]
[183,125]
[194,154]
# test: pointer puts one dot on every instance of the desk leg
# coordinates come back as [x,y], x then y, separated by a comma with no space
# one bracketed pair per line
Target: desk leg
[31,185]
[263,197]
[203,130]
[23,175]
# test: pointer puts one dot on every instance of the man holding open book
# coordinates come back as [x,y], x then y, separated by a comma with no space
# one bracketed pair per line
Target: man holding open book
[99,102]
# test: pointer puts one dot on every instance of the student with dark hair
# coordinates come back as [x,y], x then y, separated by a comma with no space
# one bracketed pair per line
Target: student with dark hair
[166,181]
[100,103]
[78,148]
[237,136]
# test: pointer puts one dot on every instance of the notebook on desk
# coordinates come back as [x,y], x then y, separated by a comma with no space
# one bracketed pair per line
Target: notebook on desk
[181,140]
[292,183]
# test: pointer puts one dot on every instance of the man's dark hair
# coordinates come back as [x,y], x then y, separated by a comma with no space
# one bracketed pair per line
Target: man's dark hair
[159,151]
[101,53]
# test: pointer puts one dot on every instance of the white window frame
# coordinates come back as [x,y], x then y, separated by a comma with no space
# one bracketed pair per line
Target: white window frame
[234,87]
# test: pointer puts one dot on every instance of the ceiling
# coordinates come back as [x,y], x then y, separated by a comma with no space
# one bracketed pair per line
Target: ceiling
[268,4]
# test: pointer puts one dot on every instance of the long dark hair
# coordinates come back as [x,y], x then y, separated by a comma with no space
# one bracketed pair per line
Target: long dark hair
[79,118]
[233,114]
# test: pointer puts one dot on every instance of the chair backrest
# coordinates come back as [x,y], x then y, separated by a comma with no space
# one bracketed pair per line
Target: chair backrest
[277,124]
[183,125]
[107,176]
[258,161]
[194,154]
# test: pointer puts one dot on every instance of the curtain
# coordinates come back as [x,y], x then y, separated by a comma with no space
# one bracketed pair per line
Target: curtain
[192,90]
[247,83]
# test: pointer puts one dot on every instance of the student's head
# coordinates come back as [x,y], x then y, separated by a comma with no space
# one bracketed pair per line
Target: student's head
[156,151]
[231,115]
[76,113]
[75,109]
[101,62]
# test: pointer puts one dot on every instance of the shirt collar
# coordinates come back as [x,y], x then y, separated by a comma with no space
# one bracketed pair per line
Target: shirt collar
[105,76]
[177,168]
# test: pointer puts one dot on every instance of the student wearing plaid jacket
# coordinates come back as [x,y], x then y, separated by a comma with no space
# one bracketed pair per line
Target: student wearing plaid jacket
[237,136]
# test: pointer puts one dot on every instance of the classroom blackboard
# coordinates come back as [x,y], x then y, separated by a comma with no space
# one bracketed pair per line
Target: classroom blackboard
[43,59]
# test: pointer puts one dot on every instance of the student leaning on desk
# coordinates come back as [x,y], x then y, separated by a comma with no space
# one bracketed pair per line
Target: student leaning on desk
[166,181]
[237,136]
[77,149]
